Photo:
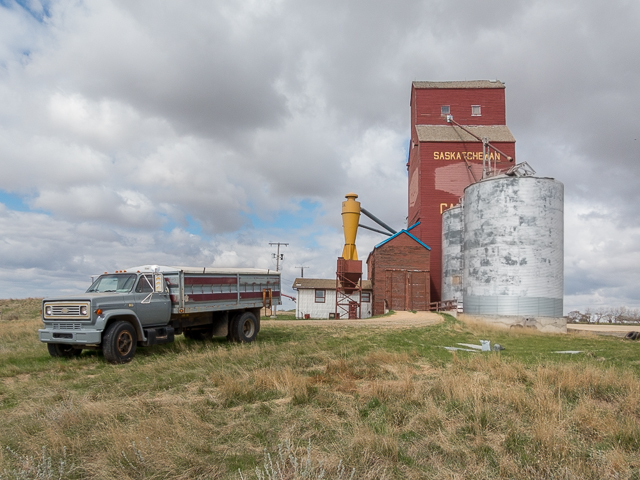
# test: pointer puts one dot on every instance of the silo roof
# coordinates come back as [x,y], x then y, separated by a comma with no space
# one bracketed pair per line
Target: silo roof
[452,133]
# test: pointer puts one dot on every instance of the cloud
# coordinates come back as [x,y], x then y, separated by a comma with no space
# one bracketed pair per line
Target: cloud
[191,65]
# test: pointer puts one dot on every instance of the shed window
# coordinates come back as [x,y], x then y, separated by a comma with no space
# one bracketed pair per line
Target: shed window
[444,110]
[320,296]
[475,111]
[366,297]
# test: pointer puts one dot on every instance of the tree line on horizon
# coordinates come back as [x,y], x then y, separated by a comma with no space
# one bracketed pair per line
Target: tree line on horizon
[605,315]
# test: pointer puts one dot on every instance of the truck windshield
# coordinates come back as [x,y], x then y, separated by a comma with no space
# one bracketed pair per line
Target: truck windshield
[113,283]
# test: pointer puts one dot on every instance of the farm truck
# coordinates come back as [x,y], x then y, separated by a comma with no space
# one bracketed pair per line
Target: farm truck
[149,305]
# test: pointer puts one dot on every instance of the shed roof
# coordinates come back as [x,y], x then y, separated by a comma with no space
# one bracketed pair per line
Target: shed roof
[453,133]
[461,84]
[324,284]
[400,233]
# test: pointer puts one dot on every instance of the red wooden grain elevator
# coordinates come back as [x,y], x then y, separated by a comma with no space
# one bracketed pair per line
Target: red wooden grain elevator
[449,121]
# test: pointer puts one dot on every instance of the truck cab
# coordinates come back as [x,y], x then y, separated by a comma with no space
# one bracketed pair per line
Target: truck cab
[137,303]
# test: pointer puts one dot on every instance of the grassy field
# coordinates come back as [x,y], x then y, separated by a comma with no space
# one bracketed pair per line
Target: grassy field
[361,403]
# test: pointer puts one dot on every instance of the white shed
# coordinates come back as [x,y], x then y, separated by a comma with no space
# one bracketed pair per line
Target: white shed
[317,298]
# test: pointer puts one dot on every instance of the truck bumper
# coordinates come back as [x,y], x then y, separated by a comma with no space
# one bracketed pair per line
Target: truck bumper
[82,337]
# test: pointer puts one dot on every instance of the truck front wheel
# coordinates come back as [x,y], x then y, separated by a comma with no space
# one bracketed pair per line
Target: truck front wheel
[119,342]
[244,328]
[62,350]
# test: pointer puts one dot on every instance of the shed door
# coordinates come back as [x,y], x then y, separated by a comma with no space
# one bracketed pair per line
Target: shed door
[395,286]
[418,290]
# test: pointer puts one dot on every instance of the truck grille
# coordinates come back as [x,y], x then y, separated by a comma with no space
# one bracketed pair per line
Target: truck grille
[79,310]
[66,326]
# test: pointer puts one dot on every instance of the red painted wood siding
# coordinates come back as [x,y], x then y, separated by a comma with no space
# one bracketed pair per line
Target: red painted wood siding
[427,102]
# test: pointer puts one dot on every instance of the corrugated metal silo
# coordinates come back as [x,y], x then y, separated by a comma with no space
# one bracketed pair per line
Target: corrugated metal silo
[452,256]
[513,247]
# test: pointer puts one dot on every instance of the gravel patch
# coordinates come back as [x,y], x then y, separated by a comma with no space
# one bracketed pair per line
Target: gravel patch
[397,320]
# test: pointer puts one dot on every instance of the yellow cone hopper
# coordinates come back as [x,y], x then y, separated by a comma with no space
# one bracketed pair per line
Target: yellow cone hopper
[350,220]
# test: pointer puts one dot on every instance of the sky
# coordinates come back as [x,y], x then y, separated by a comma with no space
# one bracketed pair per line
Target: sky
[197,132]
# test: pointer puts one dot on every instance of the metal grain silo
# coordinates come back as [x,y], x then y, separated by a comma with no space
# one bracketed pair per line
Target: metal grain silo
[513,247]
[452,257]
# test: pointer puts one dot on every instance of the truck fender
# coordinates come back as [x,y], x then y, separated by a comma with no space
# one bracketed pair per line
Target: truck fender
[122,314]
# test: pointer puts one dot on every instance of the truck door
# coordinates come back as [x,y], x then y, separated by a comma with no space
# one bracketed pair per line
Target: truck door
[151,308]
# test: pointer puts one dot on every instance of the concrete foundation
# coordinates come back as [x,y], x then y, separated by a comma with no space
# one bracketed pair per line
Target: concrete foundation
[543,324]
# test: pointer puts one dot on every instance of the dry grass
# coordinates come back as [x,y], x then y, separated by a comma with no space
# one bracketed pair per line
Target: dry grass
[24,308]
[345,400]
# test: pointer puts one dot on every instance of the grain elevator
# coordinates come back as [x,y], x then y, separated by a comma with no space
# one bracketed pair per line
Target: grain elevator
[451,124]
[496,230]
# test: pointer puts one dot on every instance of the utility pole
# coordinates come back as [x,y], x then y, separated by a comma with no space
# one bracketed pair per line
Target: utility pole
[302,271]
[279,257]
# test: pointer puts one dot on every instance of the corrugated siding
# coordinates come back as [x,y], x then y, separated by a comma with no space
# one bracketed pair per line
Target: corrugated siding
[513,247]
[519,306]
[452,256]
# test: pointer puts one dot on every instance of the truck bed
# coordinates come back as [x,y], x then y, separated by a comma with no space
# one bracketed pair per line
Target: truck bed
[215,289]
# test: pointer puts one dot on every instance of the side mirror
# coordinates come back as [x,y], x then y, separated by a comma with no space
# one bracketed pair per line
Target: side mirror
[158,280]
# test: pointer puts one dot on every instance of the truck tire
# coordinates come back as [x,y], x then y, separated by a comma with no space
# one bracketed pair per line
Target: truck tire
[119,342]
[62,350]
[244,328]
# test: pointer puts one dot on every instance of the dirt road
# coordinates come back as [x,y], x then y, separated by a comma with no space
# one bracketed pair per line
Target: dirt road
[397,320]
[617,330]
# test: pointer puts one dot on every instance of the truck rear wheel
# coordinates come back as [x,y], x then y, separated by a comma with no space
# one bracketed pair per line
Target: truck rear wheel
[244,328]
[119,342]
[62,350]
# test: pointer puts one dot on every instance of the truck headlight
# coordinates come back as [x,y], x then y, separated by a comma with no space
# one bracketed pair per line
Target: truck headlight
[83,310]
[47,310]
